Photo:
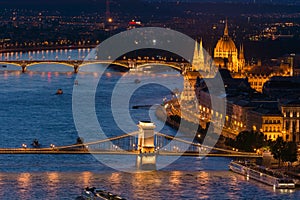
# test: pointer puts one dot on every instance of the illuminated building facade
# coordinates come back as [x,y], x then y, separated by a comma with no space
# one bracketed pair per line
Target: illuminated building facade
[266,120]
[226,54]
[291,117]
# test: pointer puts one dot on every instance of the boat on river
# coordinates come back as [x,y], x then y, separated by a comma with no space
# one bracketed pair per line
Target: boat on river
[59,92]
[261,174]
[94,194]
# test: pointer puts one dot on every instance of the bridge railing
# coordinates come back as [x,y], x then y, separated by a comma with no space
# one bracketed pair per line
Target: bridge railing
[180,146]
[126,142]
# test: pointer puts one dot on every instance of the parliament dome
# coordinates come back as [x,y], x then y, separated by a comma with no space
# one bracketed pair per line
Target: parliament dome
[226,53]
[225,44]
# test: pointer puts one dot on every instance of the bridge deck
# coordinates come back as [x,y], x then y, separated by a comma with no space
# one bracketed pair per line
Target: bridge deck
[107,152]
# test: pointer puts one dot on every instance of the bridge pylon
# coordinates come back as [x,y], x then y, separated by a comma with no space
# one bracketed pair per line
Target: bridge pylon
[146,159]
[76,68]
[132,64]
[24,66]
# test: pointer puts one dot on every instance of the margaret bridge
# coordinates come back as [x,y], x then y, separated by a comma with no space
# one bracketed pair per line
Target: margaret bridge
[77,64]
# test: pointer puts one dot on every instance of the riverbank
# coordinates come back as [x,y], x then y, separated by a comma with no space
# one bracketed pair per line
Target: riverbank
[174,120]
[40,48]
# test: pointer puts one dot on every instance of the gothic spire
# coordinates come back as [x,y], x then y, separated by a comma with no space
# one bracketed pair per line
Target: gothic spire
[226,29]
[195,63]
[241,55]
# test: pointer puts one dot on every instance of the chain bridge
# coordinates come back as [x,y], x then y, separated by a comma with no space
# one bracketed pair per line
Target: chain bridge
[145,144]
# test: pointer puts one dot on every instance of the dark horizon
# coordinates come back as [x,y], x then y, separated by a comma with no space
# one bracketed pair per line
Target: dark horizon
[150,7]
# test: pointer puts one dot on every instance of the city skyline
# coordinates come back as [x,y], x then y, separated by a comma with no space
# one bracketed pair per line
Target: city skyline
[182,99]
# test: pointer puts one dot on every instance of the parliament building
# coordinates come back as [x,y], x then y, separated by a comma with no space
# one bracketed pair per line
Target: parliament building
[278,117]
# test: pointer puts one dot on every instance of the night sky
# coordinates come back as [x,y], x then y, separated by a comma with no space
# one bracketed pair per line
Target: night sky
[72,2]
[71,6]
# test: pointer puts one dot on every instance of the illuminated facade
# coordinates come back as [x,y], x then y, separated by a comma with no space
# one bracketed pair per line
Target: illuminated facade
[266,121]
[282,121]
[226,55]
[258,75]
[257,81]
[291,117]
[244,111]
[188,93]
[273,118]
[236,115]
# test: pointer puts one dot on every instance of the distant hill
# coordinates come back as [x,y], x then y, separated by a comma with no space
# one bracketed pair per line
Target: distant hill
[287,2]
[69,5]
[158,7]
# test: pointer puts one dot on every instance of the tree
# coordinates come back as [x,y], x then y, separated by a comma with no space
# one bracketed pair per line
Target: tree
[277,149]
[230,142]
[289,153]
[249,141]
[283,151]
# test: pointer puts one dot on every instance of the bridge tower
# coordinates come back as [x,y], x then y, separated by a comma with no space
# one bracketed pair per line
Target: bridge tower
[76,68]
[146,160]
[131,64]
[24,66]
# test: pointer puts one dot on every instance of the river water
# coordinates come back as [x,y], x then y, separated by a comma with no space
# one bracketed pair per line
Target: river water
[30,109]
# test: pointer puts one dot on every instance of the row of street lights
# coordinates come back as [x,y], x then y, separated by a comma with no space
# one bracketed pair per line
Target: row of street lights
[24,146]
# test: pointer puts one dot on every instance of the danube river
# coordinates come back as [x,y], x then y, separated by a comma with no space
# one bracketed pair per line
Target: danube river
[29,109]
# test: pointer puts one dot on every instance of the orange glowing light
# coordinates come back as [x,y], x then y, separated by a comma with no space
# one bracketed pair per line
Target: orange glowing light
[24,180]
[115,178]
[86,176]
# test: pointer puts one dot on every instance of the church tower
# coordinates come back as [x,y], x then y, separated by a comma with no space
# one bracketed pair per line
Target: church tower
[202,57]
[196,59]
[199,62]
[242,61]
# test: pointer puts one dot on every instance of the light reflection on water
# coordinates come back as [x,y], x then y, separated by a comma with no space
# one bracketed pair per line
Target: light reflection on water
[150,185]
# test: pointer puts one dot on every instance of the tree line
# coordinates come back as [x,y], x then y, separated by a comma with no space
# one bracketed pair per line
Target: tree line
[251,141]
